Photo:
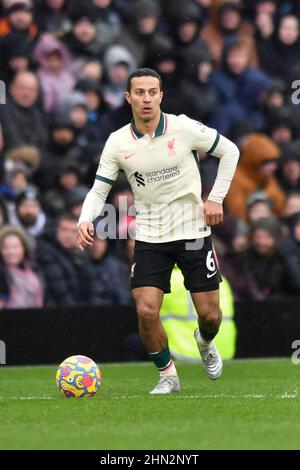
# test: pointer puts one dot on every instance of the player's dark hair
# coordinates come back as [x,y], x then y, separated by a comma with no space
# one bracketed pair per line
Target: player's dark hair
[144,72]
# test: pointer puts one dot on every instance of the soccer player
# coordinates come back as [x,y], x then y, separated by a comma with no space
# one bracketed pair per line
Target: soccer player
[158,153]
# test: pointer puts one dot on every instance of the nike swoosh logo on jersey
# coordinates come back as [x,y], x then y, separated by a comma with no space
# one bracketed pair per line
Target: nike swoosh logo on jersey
[211,275]
[128,156]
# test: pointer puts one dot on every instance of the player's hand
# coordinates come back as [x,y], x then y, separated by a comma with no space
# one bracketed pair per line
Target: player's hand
[213,213]
[85,235]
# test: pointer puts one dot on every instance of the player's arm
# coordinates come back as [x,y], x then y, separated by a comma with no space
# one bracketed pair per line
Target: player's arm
[210,141]
[95,200]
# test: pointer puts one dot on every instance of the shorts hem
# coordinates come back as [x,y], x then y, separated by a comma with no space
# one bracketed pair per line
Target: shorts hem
[148,284]
[194,290]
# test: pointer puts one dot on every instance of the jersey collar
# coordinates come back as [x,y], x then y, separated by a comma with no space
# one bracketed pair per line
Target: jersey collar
[160,130]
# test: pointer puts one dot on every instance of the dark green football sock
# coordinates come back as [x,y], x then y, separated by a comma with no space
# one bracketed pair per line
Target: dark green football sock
[161,359]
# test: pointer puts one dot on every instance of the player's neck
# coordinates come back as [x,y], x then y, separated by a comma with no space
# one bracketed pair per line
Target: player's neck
[147,127]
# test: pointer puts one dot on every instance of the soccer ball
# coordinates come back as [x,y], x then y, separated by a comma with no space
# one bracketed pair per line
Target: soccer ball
[78,376]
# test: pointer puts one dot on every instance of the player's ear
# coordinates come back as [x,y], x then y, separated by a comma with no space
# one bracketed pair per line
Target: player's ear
[127,96]
[161,96]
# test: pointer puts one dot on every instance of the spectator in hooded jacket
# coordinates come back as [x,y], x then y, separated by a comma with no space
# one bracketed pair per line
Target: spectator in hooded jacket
[258,163]
[118,65]
[20,286]
[55,71]
[29,214]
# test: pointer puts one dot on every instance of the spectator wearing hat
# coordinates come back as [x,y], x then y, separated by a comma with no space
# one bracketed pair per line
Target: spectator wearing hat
[263,260]
[28,213]
[55,71]
[289,169]
[62,150]
[16,55]
[225,20]
[256,170]
[259,206]
[18,180]
[18,17]
[20,285]
[21,115]
[87,136]
[283,124]
[289,249]
[82,40]
[291,209]
[52,16]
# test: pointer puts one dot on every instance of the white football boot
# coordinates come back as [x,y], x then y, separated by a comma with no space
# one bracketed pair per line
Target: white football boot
[167,384]
[211,359]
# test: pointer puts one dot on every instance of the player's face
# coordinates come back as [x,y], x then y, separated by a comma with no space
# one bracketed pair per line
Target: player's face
[145,97]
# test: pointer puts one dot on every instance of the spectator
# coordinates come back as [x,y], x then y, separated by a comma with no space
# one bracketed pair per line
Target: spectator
[92,70]
[16,56]
[61,151]
[52,17]
[55,200]
[97,107]
[18,17]
[290,252]
[88,136]
[258,163]
[66,270]
[3,213]
[55,71]
[285,52]
[240,88]
[118,65]
[82,40]
[21,115]
[291,208]
[108,23]
[107,287]
[264,263]
[259,206]
[186,23]
[289,169]
[226,20]
[28,213]
[20,287]
[143,30]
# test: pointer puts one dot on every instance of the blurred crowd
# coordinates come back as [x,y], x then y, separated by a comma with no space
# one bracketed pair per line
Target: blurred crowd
[64,65]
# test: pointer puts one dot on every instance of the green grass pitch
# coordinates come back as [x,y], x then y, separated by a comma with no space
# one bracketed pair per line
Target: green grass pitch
[255,405]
